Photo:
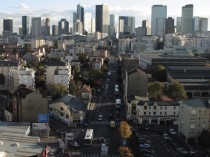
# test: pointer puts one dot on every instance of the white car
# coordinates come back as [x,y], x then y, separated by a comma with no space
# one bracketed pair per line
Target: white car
[100,117]
[146,145]
[172,131]
[166,137]
[182,150]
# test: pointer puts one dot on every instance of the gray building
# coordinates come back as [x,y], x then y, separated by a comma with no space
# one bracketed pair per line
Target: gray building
[187,19]
[126,25]
[113,25]
[63,27]
[7,27]
[25,25]
[54,30]
[80,13]
[200,24]
[178,24]
[158,20]
[36,28]
[102,18]
[169,25]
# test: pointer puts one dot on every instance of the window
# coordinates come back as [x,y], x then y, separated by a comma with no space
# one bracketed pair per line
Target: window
[62,114]
[67,116]
[149,113]
[166,107]
[174,107]
[165,113]
[145,113]
[61,108]
[192,118]
[155,107]
[50,109]
[174,113]
[145,107]
[154,113]
[161,108]
[160,113]
[149,107]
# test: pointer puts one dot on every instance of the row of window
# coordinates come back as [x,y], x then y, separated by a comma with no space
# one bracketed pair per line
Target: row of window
[155,107]
[161,113]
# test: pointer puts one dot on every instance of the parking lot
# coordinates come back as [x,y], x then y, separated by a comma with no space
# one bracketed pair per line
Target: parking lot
[163,141]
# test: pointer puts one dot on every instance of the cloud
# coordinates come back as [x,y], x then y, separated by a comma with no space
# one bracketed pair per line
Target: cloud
[21,6]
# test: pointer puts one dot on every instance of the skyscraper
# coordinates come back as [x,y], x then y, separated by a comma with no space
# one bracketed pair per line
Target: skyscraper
[113,25]
[187,19]
[47,27]
[87,23]
[7,26]
[178,24]
[36,28]
[159,14]
[102,18]
[54,30]
[200,24]
[80,13]
[74,21]
[63,27]
[169,25]
[25,25]
[127,24]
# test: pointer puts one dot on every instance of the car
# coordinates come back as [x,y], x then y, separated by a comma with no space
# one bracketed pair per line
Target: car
[166,137]
[142,140]
[100,117]
[182,150]
[145,145]
[172,131]
[102,140]
[145,151]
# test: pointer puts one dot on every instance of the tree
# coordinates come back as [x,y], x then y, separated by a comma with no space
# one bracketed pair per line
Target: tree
[96,74]
[104,68]
[159,73]
[2,79]
[77,72]
[57,90]
[176,91]
[204,139]
[125,151]
[125,130]
[83,57]
[72,87]
[155,90]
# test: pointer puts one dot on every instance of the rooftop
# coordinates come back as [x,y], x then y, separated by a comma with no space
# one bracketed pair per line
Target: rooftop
[198,102]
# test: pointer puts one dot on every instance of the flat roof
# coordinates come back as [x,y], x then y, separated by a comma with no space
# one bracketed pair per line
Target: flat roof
[14,140]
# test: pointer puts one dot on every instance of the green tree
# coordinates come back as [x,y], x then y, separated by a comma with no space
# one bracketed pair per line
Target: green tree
[159,73]
[104,68]
[176,91]
[57,90]
[125,151]
[155,90]
[77,72]
[204,139]
[2,79]
[83,57]
[96,74]
[72,87]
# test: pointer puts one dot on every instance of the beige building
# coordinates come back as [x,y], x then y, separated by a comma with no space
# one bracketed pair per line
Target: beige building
[193,118]
[142,111]
[5,67]
[27,104]
[58,72]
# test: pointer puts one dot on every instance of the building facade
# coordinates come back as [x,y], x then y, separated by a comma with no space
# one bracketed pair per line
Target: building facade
[158,20]
[25,25]
[7,27]
[102,18]
[126,25]
[187,19]
[169,25]
[63,27]
[36,27]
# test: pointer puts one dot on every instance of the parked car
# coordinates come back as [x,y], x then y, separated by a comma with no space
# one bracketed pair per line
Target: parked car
[172,131]
[166,137]
[74,144]
[182,150]
[145,145]
[100,117]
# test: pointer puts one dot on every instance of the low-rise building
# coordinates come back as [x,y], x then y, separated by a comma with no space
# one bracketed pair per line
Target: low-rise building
[143,111]
[193,118]
[68,110]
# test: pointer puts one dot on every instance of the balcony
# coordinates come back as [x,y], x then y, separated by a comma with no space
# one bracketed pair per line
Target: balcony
[133,111]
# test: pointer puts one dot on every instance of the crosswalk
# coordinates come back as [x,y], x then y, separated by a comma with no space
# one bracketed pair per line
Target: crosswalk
[98,155]
[103,123]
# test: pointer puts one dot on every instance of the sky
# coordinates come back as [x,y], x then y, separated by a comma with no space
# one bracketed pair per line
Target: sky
[57,9]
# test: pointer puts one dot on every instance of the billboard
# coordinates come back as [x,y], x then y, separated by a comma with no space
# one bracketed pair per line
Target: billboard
[43,118]
[40,126]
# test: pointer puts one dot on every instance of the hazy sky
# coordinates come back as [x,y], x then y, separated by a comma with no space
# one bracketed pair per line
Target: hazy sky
[57,9]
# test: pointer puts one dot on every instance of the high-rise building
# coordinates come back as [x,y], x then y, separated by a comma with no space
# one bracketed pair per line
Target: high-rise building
[158,19]
[79,27]
[127,24]
[87,23]
[54,30]
[93,25]
[145,23]
[187,19]
[113,25]
[200,24]
[102,18]
[36,27]
[46,27]
[63,27]
[7,27]
[169,25]
[25,25]
[74,21]
[80,13]
[178,24]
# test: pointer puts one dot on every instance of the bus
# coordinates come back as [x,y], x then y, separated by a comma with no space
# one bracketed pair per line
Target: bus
[88,137]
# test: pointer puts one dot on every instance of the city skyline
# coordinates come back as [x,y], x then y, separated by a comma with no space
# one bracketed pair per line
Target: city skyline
[56,10]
